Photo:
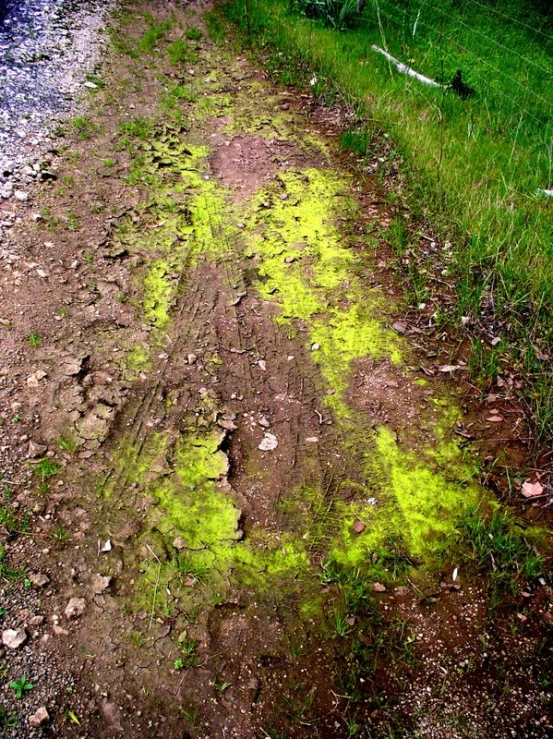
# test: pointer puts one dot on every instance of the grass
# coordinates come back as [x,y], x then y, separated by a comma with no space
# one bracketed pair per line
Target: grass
[179,52]
[495,544]
[85,128]
[6,572]
[474,166]
[153,35]
[67,443]
[137,127]
[34,340]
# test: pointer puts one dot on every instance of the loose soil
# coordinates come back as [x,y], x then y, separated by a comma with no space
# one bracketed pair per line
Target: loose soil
[219,435]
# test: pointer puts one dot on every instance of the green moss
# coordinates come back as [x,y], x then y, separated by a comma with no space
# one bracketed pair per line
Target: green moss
[138,358]
[158,292]
[418,503]
[309,271]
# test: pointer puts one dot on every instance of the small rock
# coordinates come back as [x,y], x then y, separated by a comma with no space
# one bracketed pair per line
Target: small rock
[36,620]
[107,546]
[75,608]
[36,450]
[268,443]
[399,327]
[312,440]
[358,526]
[14,638]
[179,543]
[39,718]
[100,583]
[21,196]
[39,579]
[59,630]
[315,347]
[192,358]
[378,587]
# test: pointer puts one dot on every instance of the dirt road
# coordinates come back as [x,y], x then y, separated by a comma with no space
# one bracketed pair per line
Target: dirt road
[234,483]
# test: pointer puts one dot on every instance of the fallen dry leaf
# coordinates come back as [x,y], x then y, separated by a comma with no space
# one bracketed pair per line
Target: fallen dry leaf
[531,489]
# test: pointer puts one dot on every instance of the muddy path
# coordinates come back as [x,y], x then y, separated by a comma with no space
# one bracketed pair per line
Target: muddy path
[242,503]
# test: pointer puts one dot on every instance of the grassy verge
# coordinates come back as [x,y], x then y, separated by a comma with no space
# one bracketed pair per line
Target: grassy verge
[476,165]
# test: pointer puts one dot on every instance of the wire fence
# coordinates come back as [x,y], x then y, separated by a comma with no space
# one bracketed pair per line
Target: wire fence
[523,92]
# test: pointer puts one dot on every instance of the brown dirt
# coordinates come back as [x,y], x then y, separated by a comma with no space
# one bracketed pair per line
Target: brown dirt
[225,365]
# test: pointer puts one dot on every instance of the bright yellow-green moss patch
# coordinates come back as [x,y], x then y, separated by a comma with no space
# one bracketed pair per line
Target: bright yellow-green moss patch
[307,269]
[416,504]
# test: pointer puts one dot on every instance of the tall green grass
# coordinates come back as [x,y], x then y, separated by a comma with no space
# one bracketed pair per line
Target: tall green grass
[476,166]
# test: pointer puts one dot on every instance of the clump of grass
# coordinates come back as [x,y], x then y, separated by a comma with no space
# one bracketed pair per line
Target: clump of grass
[496,544]
[194,570]
[179,52]
[6,572]
[45,469]
[85,128]
[189,657]
[338,14]
[193,33]
[137,127]
[34,339]
[151,38]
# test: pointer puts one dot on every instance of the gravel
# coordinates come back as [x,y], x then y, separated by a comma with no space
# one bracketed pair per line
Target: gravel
[46,48]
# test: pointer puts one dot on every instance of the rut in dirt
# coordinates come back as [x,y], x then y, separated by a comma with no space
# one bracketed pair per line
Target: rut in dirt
[268,480]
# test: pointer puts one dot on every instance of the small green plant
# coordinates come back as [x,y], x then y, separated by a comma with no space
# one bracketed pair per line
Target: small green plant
[73,221]
[122,298]
[189,655]
[8,719]
[178,664]
[338,14]
[98,81]
[341,624]
[21,686]
[67,443]
[6,572]
[193,33]
[60,533]
[496,544]
[34,340]
[46,468]
[138,127]
[153,36]
[46,211]
[195,570]
[85,128]
[179,52]
[191,714]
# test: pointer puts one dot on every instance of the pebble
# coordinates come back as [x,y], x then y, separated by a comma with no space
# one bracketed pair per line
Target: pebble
[14,638]
[75,608]
[39,718]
